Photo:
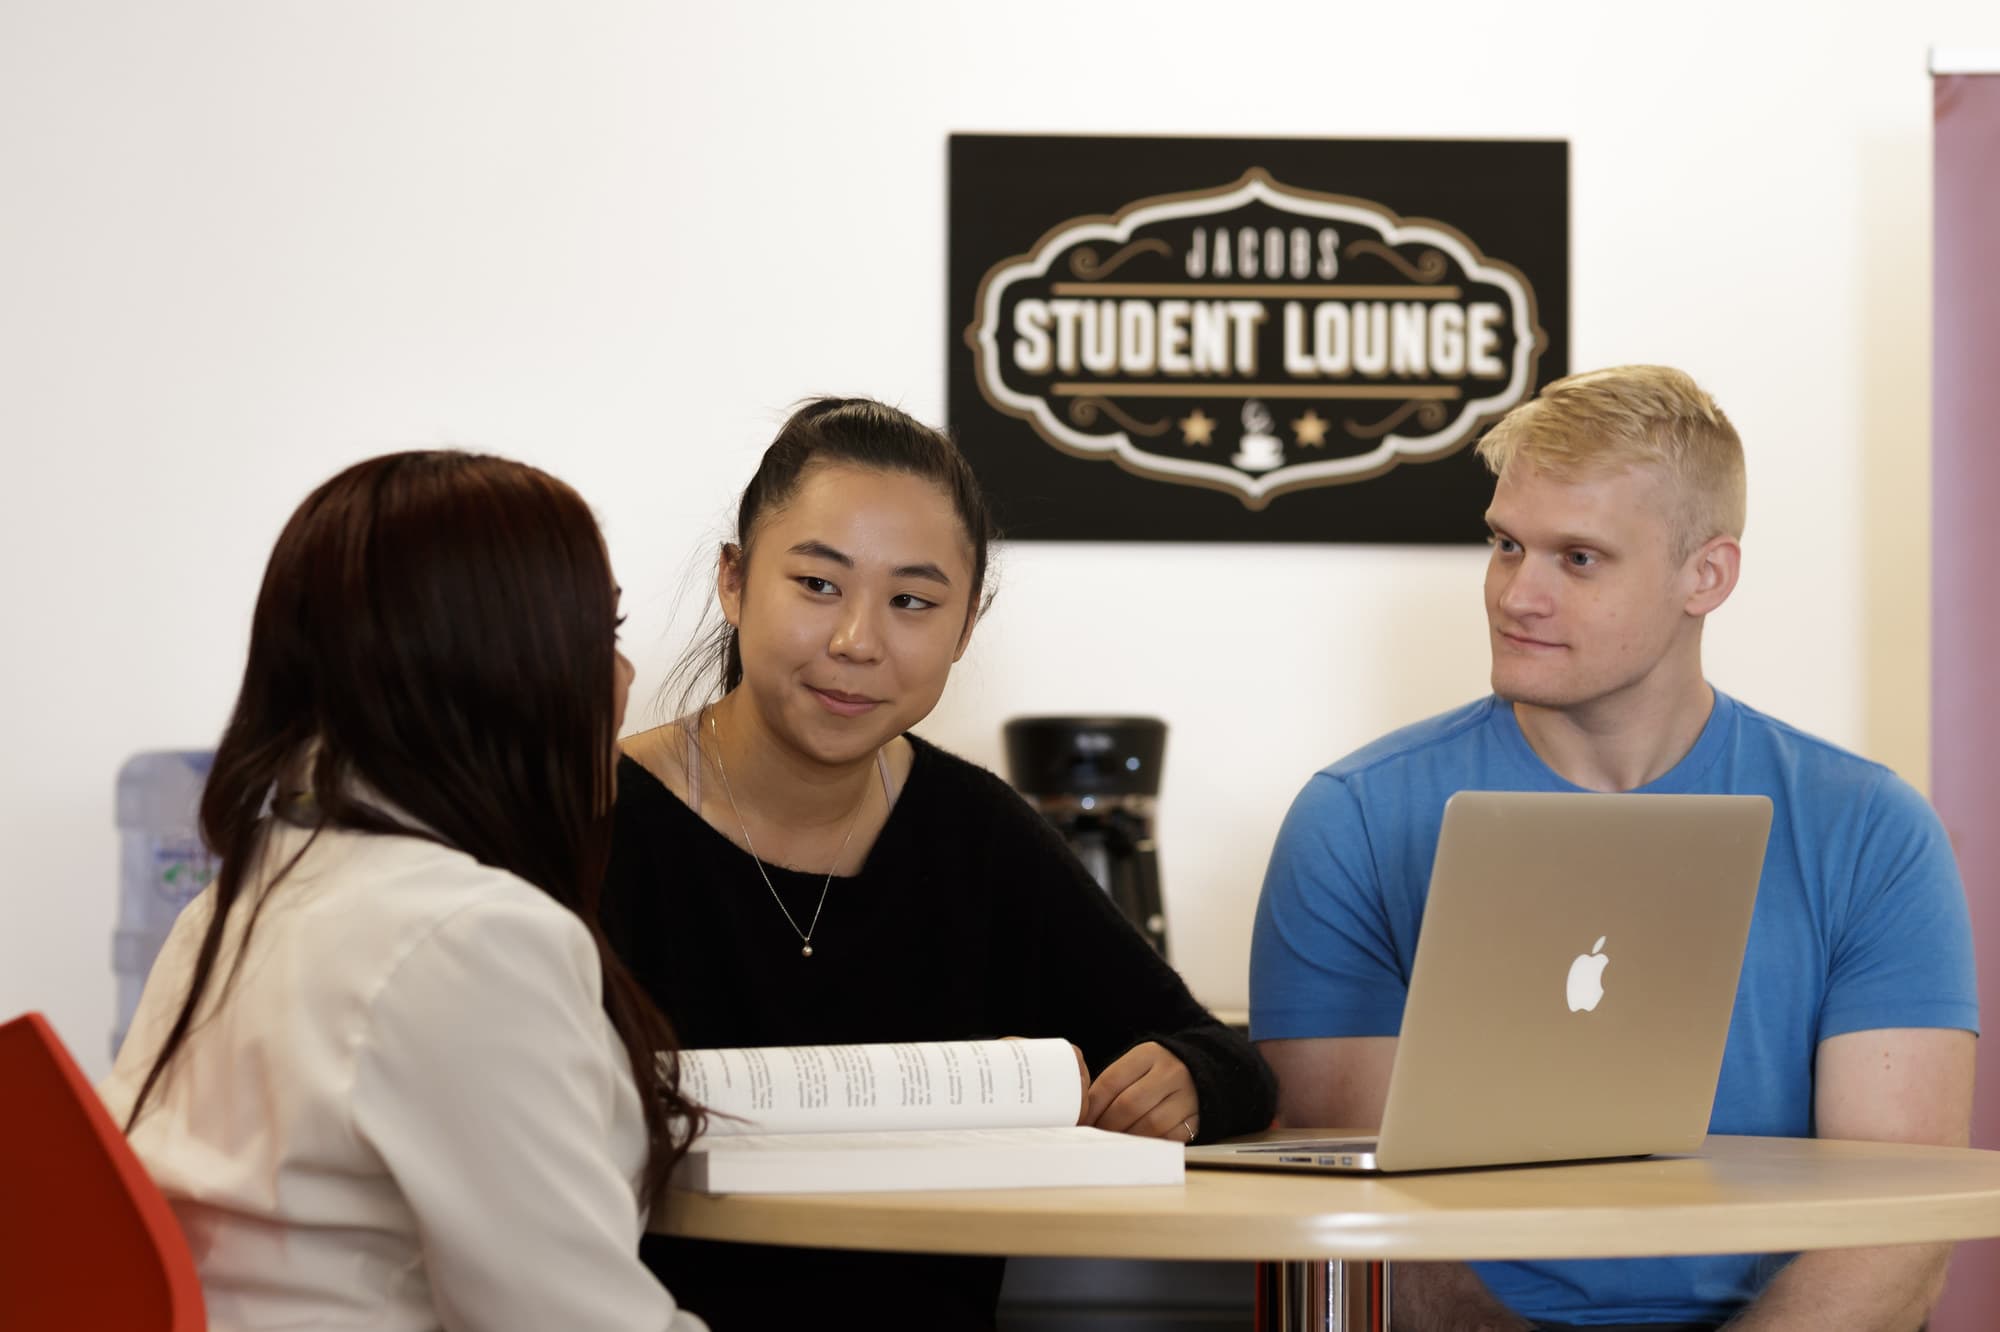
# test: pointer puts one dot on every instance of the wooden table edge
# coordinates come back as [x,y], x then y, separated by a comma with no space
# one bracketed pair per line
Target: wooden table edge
[1951,1195]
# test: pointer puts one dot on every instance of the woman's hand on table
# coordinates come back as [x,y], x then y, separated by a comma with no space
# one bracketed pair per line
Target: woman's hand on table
[1146,1091]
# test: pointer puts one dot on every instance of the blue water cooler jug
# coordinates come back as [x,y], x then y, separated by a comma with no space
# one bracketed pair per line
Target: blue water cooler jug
[162,863]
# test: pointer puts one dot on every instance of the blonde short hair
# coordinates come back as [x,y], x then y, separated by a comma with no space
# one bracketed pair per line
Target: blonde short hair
[1633,416]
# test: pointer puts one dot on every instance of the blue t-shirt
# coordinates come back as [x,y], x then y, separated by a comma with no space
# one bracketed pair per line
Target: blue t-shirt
[1860,923]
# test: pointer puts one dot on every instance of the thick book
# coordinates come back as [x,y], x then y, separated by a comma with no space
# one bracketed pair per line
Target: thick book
[919,1115]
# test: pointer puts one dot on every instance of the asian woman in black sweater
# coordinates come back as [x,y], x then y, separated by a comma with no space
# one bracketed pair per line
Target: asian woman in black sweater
[791,866]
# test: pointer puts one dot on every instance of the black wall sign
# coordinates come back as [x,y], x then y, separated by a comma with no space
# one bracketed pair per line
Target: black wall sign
[1249,340]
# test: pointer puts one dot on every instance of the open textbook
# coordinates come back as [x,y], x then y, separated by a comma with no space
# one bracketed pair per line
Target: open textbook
[921,1115]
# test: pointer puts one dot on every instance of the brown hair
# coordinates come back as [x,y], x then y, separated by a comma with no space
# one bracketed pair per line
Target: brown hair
[1633,416]
[437,628]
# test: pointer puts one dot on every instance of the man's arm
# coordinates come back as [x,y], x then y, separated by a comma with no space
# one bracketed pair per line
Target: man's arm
[1904,1084]
[1342,1083]
[1331,1083]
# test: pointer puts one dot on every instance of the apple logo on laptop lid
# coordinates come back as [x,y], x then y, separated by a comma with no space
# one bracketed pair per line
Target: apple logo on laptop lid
[1586,978]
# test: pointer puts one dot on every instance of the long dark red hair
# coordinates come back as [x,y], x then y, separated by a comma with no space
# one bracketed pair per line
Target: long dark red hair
[438,629]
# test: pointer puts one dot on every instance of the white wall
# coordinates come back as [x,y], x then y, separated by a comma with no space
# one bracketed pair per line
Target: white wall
[242,244]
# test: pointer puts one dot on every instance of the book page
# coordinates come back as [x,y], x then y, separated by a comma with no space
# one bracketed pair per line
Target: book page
[915,1085]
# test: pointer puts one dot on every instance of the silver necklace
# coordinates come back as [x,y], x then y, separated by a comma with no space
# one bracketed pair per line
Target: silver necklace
[806,934]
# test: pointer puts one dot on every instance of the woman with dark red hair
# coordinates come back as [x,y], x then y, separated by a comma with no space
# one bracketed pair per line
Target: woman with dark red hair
[386,1069]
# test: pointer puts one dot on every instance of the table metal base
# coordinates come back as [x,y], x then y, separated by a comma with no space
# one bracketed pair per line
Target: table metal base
[1322,1297]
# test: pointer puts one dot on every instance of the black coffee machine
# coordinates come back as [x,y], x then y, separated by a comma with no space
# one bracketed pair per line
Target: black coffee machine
[1097,780]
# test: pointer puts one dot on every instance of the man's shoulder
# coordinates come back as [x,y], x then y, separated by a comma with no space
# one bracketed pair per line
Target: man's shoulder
[1808,763]
[1824,783]
[1408,774]
[1434,738]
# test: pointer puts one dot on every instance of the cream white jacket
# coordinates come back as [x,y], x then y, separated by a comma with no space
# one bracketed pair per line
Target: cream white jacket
[409,1113]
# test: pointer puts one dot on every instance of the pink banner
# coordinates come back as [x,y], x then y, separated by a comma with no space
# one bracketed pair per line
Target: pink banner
[1965,602]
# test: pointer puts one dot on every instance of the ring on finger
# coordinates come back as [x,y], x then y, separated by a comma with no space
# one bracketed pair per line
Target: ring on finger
[1188,1124]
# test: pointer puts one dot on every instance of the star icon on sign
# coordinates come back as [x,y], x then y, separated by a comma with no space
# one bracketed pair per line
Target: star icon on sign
[1311,429]
[1197,428]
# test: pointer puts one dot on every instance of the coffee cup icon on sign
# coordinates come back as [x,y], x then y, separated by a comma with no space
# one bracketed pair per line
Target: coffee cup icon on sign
[1260,450]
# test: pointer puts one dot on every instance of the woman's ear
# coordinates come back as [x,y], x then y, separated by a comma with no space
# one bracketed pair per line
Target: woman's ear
[965,634]
[729,571]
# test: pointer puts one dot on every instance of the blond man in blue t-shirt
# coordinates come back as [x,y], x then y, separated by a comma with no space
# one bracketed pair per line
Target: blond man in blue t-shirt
[1617,521]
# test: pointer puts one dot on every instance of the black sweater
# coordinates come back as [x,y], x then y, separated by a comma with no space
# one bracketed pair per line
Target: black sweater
[969,919]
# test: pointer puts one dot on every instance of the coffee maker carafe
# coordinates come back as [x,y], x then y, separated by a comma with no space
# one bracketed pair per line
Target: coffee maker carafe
[1097,779]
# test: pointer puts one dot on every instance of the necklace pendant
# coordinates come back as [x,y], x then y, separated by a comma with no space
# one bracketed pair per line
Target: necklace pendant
[806,951]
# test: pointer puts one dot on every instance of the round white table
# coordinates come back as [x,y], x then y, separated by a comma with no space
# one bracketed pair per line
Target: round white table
[1328,1238]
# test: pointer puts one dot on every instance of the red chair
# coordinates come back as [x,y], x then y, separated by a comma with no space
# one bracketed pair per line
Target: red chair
[86,1239]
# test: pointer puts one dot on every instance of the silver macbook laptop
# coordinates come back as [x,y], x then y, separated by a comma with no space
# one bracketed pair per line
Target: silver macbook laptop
[1572,988]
